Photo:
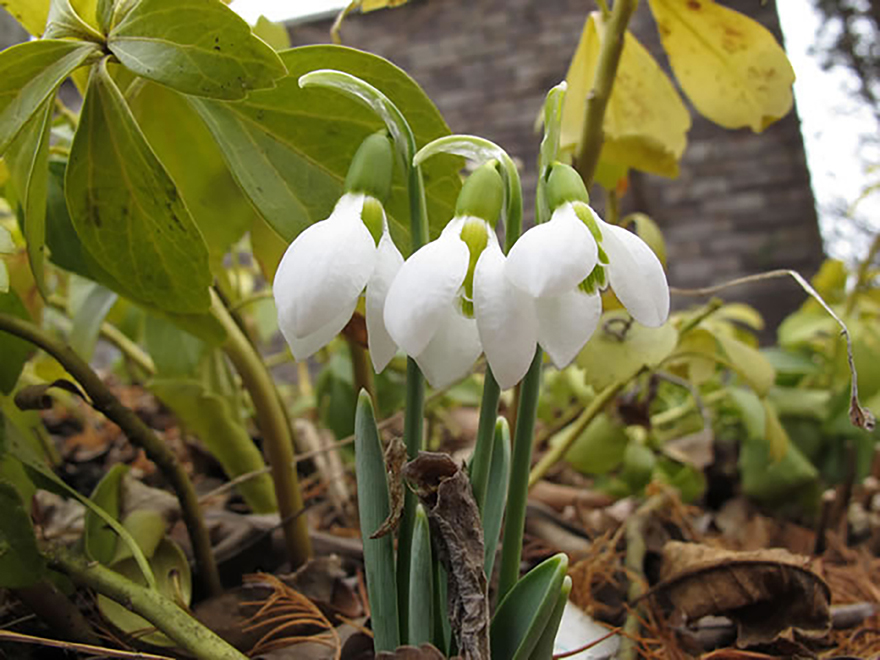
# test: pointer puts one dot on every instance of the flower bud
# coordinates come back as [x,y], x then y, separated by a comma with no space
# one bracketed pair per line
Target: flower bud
[482,194]
[372,168]
[565,185]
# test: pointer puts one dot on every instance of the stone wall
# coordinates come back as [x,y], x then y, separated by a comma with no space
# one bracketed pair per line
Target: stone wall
[742,202]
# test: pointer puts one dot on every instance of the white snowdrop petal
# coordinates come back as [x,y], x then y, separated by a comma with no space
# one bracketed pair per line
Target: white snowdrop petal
[554,257]
[306,346]
[452,351]
[566,322]
[388,263]
[325,268]
[423,291]
[505,319]
[636,275]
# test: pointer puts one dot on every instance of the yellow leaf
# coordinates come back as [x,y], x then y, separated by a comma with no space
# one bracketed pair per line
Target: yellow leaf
[371,5]
[700,355]
[775,434]
[749,363]
[648,231]
[646,122]
[30,13]
[730,66]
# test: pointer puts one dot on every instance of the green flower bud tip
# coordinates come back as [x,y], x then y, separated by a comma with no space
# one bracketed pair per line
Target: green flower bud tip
[372,168]
[482,194]
[565,185]
[475,234]
[586,215]
[373,217]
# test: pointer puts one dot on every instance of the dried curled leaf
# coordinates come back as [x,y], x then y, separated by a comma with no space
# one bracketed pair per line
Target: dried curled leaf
[457,533]
[765,592]
[395,457]
[37,397]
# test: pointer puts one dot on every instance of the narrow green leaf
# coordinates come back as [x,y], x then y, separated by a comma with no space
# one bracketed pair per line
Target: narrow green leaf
[89,316]
[14,351]
[290,148]
[100,540]
[29,74]
[496,493]
[522,616]
[21,563]
[193,160]
[28,160]
[104,15]
[545,646]
[147,528]
[127,210]
[198,47]
[374,507]
[421,583]
[64,23]
[221,428]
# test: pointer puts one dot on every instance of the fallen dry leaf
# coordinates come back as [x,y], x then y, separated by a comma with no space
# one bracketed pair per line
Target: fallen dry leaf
[765,592]
[395,457]
[457,535]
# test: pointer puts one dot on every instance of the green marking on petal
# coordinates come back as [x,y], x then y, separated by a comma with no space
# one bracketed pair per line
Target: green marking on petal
[585,213]
[475,234]
[374,217]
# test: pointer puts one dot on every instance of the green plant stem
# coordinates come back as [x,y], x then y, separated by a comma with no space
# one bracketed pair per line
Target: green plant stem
[128,348]
[362,370]
[275,428]
[482,459]
[518,491]
[555,454]
[162,612]
[592,133]
[138,433]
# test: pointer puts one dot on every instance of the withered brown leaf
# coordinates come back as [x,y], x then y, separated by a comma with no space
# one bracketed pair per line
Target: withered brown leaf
[395,457]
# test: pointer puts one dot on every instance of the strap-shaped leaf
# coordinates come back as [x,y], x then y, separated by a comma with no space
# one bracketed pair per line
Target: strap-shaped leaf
[522,616]
[63,22]
[29,74]
[198,47]
[127,210]
[290,148]
[28,158]
[545,646]
[421,583]
[374,507]
[496,493]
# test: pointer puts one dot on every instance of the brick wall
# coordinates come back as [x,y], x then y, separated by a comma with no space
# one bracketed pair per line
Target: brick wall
[742,202]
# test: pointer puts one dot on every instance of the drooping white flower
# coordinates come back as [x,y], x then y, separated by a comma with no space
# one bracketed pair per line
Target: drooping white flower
[324,272]
[424,313]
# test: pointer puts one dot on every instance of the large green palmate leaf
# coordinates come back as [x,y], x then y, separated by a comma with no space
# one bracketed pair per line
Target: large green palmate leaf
[198,47]
[127,210]
[29,74]
[28,159]
[290,148]
[194,161]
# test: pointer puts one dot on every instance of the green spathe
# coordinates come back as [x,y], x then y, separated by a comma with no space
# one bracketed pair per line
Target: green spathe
[482,195]
[565,185]
[372,168]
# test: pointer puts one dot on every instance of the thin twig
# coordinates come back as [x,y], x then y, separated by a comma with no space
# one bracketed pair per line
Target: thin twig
[9,636]
[859,416]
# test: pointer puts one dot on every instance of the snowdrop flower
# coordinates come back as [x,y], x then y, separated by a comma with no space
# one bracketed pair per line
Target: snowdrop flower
[558,268]
[429,311]
[329,265]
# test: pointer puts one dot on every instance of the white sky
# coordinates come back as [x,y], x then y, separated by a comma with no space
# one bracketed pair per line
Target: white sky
[834,124]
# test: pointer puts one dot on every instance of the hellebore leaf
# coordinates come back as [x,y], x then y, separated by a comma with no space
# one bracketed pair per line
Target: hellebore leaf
[88,317]
[98,539]
[290,148]
[198,47]
[274,34]
[30,13]
[64,22]
[127,210]
[731,67]
[28,159]
[21,563]
[646,122]
[749,363]
[614,353]
[29,74]
[371,5]
[15,351]
[194,161]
